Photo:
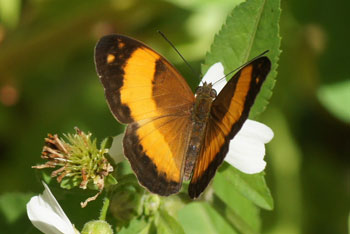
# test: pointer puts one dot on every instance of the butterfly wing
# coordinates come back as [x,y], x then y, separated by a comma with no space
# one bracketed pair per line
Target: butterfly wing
[229,111]
[146,92]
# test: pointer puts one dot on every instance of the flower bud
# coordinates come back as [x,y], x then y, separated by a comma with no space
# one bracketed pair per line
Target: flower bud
[151,204]
[97,227]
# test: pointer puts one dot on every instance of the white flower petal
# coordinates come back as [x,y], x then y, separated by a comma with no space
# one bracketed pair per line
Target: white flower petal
[256,130]
[247,148]
[116,150]
[215,73]
[46,214]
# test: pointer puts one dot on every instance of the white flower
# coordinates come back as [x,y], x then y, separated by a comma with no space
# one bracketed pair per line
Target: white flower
[247,148]
[46,214]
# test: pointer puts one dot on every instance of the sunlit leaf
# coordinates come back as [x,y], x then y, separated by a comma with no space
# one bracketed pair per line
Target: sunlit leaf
[198,218]
[245,215]
[136,226]
[167,224]
[253,187]
[231,217]
[10,12]
[336,98]
[252,28]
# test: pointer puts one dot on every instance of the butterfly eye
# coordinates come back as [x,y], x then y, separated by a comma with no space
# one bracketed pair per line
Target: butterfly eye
[199,89]
[213,93]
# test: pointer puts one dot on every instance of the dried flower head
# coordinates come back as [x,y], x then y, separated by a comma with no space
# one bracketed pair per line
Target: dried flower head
[77,160]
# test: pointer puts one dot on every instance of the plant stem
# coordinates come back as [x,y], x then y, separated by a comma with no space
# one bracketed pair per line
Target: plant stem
[104,209]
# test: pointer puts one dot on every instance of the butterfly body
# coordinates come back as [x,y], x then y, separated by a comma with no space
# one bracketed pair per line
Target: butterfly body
[200,114]
[172,134]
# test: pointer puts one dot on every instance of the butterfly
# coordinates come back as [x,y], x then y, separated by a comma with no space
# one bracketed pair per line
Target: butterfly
[172,134]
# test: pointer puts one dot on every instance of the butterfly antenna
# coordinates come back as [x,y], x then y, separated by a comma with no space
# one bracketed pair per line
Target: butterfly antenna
[172,45]
[245,64]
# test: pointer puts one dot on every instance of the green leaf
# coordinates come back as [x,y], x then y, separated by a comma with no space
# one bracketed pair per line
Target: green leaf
[46,176]
[253,187]
[234,207]
[251,29]
[336,98]
[10,12]
[13,205]
[200,217]
[126,205]
[127,181]
[106,143]
[136,226]
[110,180]
[70,182]
[167,224]
[231,216]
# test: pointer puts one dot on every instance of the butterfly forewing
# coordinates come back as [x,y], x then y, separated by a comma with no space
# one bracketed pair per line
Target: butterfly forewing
[228,113]
[146,92]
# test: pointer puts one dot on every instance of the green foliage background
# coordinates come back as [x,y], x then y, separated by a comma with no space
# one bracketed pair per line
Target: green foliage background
[48,84]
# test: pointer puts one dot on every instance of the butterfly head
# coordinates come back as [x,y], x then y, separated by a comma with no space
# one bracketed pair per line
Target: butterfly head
[206,91]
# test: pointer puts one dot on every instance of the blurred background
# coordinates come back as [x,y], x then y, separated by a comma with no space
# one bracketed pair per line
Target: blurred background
[48,84]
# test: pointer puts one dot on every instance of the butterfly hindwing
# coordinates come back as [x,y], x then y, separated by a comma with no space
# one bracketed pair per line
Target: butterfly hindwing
[228,112]
[159,167]
[144,91]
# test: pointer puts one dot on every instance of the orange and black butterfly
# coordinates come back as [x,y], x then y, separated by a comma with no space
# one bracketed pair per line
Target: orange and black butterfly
[172,134]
